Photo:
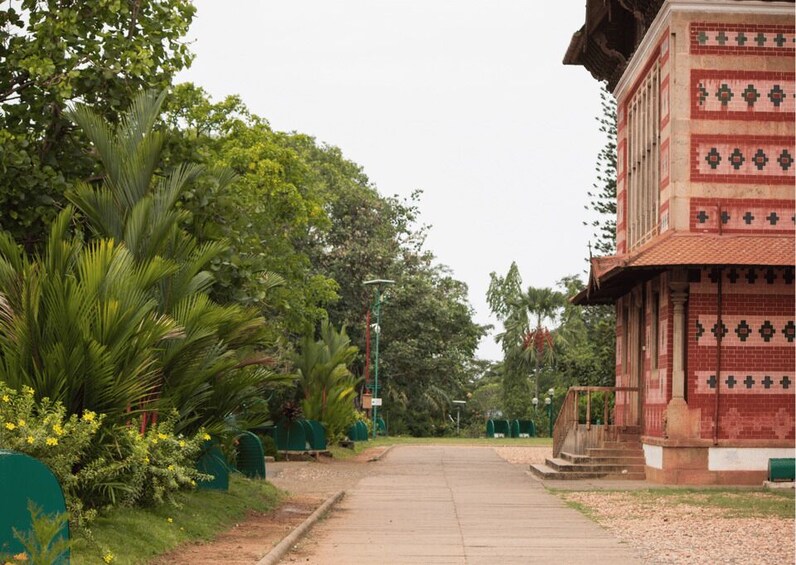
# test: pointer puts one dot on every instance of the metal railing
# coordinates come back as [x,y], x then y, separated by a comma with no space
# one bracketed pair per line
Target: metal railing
[570,414]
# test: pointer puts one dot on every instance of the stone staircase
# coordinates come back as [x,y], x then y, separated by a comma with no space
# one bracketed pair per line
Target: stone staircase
[620,459]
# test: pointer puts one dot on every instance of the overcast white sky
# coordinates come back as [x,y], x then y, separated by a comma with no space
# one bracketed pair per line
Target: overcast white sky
[464,99]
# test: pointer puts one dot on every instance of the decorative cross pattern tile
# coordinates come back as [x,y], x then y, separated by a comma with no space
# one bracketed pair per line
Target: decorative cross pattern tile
[742,95]
[746,382]
[738,331]
[742,39]
[760,281]
[737,216]
[742,160]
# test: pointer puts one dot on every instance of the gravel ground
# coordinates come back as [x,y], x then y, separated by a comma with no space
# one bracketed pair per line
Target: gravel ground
[667,531]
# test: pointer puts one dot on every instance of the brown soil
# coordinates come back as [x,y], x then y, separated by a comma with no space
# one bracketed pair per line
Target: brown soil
[308,483]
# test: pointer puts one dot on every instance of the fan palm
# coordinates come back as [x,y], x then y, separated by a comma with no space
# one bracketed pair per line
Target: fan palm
[327,384]
[215,374]
[80,323]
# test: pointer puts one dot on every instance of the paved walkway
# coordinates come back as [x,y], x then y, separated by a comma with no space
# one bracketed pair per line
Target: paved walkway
[457,505]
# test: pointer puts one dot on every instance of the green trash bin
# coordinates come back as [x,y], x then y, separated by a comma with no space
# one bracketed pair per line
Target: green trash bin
[490,428]
[318,438]
[363,431]
[213,462]
[251,457]
[527,429]
[502,428]
[782,469]
[23,479]
[515,428]
[381,426]
[291,437]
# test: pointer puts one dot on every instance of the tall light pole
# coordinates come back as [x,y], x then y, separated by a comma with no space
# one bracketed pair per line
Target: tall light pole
[549,401]
[376,400]
[459,404]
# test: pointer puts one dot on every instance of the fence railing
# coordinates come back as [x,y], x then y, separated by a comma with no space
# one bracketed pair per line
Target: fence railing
[570,414]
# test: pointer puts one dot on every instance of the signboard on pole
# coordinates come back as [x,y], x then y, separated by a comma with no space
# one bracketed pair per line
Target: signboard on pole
[376,401]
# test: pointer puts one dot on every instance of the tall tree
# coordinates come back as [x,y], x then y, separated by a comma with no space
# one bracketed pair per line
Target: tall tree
[56,52]
[602,203]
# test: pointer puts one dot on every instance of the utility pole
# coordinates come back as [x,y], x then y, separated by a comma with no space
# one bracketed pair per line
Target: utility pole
[376,401]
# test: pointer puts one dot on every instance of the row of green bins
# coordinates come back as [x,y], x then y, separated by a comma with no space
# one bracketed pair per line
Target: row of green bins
[498,428]
[358,431]
[300,435]
[381,425]
[525,428]
[25,480]
[782,469]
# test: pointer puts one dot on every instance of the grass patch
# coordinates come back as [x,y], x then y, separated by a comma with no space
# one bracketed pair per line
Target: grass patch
[736,503]
[135,535]
[582,508]
[483,441]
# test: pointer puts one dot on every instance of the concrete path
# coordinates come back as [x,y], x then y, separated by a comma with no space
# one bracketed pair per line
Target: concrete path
[457,505]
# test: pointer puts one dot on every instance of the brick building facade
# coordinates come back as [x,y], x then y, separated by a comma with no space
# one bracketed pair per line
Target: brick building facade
[703,279]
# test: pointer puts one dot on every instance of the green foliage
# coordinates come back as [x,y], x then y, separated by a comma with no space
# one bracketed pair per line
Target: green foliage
[54,53]
[327,385]
[213,374]
[47,542]
[80,325]
[603,199]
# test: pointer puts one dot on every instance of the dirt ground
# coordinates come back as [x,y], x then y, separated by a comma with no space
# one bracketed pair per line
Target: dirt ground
[308,484]
[668,533]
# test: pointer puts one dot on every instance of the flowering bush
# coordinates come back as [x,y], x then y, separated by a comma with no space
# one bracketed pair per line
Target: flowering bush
[99,465]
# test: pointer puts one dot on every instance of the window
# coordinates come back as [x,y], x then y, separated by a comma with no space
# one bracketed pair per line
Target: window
[643,137]
[654,324]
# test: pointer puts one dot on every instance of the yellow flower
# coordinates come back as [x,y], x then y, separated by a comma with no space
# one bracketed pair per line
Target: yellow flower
[51,441]
[108,557]
[155,441]
[31,439]
[21,423]
[170,520]
[6,398]
[88,416]
[59,431]
[170,467]
[10,425]
[205,436]
[146,459]
[27,390]
[162,436]
[182,443]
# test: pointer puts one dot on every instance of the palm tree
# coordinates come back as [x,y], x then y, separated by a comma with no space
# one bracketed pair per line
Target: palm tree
[215,374]
[80,324]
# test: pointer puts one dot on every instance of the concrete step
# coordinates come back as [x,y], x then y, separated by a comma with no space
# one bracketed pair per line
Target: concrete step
[629,458]
[544,472]
[592,467]
[612,452]
[622,444]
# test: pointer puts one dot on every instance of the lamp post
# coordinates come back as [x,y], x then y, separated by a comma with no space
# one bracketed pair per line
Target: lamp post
[459,404]
[376,401]
[549,402]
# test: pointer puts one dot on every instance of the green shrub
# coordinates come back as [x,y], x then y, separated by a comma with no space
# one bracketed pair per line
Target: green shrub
[269,445]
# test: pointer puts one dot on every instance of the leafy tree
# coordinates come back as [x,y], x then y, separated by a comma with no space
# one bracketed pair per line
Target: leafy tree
[528,334]
[603,198]
[56,52]
[215,372]
[328,387]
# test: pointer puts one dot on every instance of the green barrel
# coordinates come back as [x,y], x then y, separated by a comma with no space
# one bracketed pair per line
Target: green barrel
[292,437]
[318,435]
[213,462]
[515,428]
[381,426]
[490,428]
[23,479]
[363,431]
[251,458]
[782,469]
[502,427]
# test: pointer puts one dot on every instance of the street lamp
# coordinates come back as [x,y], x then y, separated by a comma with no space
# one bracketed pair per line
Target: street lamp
[549,402]
[376,401]
[459,404]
